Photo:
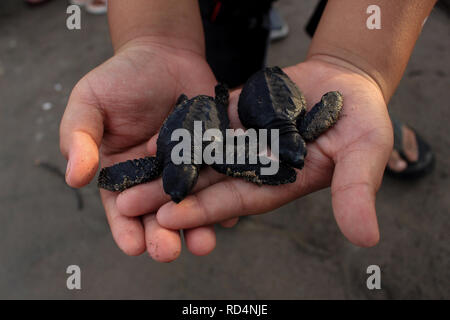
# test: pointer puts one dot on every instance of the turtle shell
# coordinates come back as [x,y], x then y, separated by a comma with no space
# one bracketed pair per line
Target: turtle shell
[201,108]
[271,100]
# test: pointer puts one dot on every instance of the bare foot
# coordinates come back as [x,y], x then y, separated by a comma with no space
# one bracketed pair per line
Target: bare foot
[410,149]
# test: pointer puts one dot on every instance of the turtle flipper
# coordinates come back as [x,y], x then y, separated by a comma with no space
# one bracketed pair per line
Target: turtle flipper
[127,174]
[182,98]
[253,172]
[321,117]
[179,180]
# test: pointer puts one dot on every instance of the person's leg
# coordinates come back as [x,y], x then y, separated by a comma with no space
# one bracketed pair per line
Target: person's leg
[236,35]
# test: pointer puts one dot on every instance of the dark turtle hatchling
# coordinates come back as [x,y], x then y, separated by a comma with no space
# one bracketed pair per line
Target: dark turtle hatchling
[271,100]
[179,179]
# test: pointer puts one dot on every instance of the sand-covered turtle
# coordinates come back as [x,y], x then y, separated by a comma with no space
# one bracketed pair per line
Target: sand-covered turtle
[269,100]
[179,179]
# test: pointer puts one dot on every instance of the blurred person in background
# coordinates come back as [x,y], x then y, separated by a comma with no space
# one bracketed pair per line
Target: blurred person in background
[91,6]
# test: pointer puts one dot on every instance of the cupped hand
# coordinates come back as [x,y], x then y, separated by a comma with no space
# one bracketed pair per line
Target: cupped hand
[350,157]
[112,113]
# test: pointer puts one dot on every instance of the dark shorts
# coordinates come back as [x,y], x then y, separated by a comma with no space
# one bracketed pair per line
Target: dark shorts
[237,36]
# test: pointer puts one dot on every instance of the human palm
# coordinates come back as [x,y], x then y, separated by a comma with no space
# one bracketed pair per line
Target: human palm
[350,157]
[112,113]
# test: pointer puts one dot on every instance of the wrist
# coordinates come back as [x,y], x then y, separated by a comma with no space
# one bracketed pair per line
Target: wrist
[171,23]
[357,67]
[164,45]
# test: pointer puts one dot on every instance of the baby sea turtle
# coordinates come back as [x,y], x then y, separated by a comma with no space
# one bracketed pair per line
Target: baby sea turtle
[179,179]
[269,100]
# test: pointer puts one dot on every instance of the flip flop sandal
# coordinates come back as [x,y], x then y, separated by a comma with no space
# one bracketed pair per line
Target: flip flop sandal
[414,169]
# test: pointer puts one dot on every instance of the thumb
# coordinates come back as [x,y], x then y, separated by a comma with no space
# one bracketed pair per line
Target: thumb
[81,132]
[357,176]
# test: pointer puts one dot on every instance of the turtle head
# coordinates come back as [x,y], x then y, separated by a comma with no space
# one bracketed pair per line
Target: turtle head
[292,150]
[179,180]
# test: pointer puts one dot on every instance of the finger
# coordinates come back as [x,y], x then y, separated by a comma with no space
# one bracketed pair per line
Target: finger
[357,177]
[200,241]
[163,245]
[82,159]
[151,144]
[127,232]
[230,223]
[149,197]
[233,197]
[236,198]
[81,132]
